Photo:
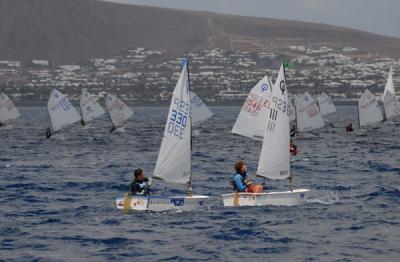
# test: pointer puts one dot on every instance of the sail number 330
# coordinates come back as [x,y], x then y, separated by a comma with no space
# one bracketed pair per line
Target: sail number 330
[178,118]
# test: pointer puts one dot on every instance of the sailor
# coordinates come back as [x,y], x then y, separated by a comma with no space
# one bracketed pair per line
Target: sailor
[140,185]
[83,122]
[112,129]
[48,132]
[293,131]
[293,148]
[240,182]
[349,128]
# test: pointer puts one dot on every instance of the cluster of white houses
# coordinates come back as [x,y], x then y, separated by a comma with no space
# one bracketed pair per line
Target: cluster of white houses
[217,75]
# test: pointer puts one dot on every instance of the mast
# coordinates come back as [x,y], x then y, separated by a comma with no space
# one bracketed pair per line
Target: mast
[109,115]
[191,136]
[290,166]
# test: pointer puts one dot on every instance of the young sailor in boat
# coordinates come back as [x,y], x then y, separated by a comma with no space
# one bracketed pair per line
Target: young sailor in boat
[240,182]
[140,185]
[48,132]
[293,148]
[349,127]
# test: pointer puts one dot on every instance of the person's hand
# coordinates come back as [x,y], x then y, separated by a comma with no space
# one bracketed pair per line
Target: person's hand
[248,182]
[150,181]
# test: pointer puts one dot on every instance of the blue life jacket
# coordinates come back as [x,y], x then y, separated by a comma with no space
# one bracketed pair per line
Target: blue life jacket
[236,187]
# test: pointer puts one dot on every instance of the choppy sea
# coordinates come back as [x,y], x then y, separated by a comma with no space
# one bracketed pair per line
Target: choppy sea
[57,196]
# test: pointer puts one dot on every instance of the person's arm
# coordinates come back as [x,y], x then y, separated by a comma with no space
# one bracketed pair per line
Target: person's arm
[239,183]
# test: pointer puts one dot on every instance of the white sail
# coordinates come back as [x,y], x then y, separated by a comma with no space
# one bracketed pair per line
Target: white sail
[119,112]
[200,112]
[62,112]
[391,105]
[369,111]
[292,111]
[274,160]
[8,111]
[308,115]
[326,105]
[90,108]
[389,87]
[174,159]
[253,117]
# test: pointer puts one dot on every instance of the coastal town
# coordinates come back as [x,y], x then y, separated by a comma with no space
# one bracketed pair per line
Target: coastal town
[144,76]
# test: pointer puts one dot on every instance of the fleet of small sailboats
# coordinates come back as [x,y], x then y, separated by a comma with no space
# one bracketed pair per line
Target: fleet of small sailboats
[8,111]
[265,116]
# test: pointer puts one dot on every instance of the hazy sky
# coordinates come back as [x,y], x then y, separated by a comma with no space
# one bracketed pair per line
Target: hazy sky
[378,16]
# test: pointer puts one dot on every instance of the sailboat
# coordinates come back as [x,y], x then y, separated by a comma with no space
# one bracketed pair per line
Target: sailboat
[174,159]
[200,111]
[118,111]
[254,114]
[308,116]
[90,108]
[274,162]
[62,113]
[369,111]
[391,105]
[8,111]
[325,104]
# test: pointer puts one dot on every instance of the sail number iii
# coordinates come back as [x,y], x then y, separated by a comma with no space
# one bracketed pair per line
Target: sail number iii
[178,118]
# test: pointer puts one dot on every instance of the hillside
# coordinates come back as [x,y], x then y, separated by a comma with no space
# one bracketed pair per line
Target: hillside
[72,31]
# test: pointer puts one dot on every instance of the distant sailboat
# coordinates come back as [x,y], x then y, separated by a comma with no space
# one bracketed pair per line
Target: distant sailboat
[62,113]
[254,114]
[174,159]
[369,111]
[90,108]
[308,116]
[325,104]
[274,162]
[118,111]
[8,111]
[200,111]
[391,105]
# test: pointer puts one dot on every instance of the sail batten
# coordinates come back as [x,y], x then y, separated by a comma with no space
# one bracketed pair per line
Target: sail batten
[8,111]
[274,162]
[62,113]
[119,112]
[174,159]
[253,116]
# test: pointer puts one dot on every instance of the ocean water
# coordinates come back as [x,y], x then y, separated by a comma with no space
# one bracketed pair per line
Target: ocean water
[57,196]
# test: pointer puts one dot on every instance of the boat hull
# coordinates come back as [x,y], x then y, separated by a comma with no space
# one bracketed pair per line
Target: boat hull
[164,203]
[287,198]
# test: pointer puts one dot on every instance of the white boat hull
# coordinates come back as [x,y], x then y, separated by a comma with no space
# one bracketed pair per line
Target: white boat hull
[164,203]
[287,198]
